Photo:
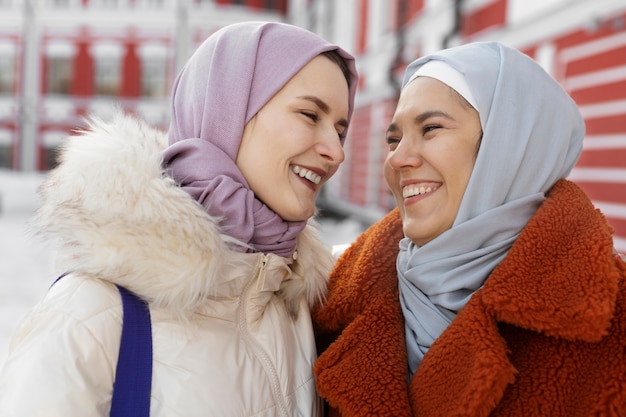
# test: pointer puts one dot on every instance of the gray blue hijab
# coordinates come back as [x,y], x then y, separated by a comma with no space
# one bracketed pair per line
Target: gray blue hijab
[532,137]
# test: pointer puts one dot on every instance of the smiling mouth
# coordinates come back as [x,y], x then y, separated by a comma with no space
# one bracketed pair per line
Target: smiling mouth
[413,190]
[307,174]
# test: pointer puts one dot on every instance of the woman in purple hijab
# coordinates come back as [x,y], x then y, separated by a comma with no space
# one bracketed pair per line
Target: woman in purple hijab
[208,224]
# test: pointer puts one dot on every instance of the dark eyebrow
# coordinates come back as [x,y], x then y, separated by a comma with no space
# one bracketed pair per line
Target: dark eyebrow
[323,107]
[421,118]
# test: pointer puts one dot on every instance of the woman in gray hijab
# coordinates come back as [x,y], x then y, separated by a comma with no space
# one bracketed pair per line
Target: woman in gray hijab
[494,288]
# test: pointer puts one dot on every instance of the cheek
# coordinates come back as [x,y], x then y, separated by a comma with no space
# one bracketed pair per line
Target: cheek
[331,172]
[466,167]
[389,174]
[459,182]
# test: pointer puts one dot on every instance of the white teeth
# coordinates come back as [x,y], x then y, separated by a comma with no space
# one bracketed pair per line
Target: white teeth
[305,173]
[412,190]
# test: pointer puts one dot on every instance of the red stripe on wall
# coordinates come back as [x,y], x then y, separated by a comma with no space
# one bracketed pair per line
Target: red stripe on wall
[595,62]
[606,125]
[586,34]
[490,15]
[618,224]
[600,93]
[603,158]
[610,192]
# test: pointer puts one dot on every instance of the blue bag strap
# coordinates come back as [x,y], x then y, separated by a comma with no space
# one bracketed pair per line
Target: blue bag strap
[133,376]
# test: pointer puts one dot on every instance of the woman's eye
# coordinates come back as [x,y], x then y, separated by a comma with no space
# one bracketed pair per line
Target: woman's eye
[429,128]
[392,142]
[311,116]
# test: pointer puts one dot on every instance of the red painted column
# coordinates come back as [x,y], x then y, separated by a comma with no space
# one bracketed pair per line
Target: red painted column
[280,6]
[362,26]
[131,72]
[255,4]
[82,71]
[44,70]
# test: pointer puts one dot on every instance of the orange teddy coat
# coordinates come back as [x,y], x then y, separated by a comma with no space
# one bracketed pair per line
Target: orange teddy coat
[545,335]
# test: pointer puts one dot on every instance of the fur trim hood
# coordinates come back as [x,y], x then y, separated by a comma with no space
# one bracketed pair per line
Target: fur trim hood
[116,216]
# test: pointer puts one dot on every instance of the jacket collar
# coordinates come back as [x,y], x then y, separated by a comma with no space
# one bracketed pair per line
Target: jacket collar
[564,253]
[118,217]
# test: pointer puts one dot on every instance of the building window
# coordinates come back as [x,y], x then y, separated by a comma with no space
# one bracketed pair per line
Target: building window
[6,149]
[50,149]
[57,78]
[153,78]
[107,76]
[7,66]
[49,158]
[5,156]
[58,75]
[7,74]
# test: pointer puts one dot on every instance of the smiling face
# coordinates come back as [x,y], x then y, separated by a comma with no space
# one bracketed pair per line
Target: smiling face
[292,146]
[433,140]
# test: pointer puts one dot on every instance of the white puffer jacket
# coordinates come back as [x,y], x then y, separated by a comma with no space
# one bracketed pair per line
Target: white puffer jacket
[231,331]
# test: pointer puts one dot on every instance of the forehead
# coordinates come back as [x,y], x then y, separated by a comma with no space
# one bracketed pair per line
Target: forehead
[426,89]
[425,93]
[321,78]
[317,73]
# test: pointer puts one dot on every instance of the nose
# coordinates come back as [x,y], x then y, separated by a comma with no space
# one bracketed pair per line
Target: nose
[329,146]
[406,154]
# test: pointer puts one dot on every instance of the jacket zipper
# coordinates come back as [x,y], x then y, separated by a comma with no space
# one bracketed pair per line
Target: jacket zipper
[257,350]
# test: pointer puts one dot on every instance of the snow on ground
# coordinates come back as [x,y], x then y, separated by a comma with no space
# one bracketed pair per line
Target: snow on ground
[26,264]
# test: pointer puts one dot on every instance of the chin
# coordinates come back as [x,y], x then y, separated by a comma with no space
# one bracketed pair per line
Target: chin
[297,217]
[408,230]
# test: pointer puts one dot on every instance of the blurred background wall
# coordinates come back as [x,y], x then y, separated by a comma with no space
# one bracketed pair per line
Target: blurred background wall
[61,60]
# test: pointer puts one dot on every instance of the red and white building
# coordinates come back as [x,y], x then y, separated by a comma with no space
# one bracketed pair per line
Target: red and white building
[63,59]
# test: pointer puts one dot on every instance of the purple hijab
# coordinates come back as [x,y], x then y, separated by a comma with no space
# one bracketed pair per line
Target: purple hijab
[224,84]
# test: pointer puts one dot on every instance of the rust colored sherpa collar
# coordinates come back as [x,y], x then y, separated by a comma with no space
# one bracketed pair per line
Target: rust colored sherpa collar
[558,277]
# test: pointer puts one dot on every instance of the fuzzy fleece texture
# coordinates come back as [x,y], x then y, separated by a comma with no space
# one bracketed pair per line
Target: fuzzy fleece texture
[116,216]
[545,336]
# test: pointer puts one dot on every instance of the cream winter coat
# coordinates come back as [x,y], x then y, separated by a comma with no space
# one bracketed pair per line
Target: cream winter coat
[231,331]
